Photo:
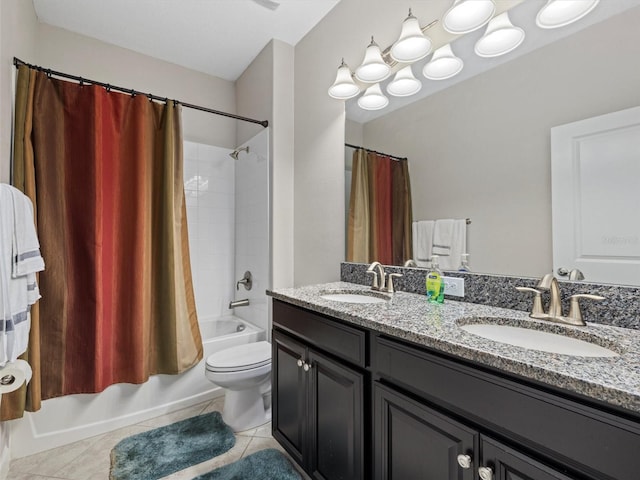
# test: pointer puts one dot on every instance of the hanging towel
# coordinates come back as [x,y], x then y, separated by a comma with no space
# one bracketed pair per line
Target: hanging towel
[442,237]
[19,261]
[456,247]
[422,236]
[26,247]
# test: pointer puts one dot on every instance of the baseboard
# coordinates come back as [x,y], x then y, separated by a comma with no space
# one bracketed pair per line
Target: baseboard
[26,440]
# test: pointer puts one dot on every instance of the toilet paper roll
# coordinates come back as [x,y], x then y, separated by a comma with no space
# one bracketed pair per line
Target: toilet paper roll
[14,375]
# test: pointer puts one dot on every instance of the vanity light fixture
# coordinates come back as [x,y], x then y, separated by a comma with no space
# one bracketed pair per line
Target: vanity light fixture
[501,37]
[373,98]
[404,83]
[412,45]
[465,16]
[373,68]
[344,87]
[558,13]
[443,64]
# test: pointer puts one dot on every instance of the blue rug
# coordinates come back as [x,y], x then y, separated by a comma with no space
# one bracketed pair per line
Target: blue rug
[269,464]
[162,451]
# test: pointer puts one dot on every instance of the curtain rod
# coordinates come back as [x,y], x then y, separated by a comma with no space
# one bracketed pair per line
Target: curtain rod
[17,62]
[373,151]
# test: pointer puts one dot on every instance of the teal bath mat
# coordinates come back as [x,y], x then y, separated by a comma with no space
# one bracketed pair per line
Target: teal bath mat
[269,464]
[165,450]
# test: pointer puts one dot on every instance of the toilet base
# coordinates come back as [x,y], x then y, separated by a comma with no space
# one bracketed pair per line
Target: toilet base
[245,409]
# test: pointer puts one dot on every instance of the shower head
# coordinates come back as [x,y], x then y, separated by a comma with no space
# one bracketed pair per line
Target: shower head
[235,153]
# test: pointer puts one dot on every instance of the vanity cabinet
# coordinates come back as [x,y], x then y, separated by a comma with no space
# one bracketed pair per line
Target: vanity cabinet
[318,395]
[499,462]
[351,403]
[413,441]
[542,434]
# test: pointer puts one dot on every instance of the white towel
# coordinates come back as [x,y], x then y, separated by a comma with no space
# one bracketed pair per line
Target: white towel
[442,237]
[26,247]
[17,254]
[422,235]
[457,245]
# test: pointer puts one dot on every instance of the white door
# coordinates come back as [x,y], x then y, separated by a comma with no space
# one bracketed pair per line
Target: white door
[595,177]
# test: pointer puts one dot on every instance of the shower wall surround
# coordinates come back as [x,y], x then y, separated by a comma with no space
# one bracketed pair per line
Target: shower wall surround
[621,307]
[209,189]
[228,217]
[252,229]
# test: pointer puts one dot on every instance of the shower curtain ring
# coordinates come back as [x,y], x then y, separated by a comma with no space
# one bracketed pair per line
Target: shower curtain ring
[108,87]
[133,93]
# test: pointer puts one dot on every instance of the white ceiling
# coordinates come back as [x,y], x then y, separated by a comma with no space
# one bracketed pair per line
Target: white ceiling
[217,37]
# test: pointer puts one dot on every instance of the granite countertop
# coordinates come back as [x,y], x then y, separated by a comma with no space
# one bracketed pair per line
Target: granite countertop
[408,316]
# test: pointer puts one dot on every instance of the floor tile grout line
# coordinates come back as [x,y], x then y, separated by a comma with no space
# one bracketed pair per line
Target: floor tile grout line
[245,448]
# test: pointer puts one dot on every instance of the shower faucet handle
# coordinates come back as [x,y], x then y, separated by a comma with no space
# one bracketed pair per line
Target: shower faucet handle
[247,281]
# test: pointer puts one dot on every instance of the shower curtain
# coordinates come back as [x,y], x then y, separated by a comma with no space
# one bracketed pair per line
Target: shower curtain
[380,213]
[104,172]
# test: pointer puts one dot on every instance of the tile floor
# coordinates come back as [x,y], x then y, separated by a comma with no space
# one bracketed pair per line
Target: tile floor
[89,459]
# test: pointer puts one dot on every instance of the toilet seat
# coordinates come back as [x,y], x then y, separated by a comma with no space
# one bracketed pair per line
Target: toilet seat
[243,357]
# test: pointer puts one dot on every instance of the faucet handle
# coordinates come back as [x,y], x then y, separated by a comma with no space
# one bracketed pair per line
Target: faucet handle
[575,314]
[537,309]
[390,277]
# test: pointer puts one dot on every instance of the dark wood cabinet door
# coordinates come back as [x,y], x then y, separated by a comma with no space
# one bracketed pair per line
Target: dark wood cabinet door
[336,420]
[507,464]
[289,404]
[414,442]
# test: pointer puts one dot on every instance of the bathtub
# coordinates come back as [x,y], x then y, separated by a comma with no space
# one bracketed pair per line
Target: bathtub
[67,419]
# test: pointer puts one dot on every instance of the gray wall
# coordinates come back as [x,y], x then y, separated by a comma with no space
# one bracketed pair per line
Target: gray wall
[265,92]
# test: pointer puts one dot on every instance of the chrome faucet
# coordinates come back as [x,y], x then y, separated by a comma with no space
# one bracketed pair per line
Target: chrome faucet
[554,312]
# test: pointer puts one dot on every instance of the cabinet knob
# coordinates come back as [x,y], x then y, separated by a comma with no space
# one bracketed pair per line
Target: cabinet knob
[300,363]
[306,367]
[485,473]
[464,461]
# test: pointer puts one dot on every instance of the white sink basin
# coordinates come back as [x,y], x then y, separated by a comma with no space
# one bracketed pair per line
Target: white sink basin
[353,298]
[538,340]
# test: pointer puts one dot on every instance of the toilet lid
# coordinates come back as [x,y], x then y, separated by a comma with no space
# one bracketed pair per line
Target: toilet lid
[241,357]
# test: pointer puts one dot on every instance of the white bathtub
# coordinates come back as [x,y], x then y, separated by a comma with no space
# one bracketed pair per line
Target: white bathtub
[67,419]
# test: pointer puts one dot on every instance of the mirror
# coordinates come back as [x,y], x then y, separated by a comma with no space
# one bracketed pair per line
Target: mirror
[480,149]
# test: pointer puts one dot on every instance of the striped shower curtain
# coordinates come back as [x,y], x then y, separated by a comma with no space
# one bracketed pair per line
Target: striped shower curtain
[380,214]
[104,172]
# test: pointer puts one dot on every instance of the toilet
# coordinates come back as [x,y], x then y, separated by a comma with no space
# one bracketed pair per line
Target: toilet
[244,371]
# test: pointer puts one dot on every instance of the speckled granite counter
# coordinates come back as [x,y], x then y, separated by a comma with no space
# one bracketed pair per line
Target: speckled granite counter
[408,316]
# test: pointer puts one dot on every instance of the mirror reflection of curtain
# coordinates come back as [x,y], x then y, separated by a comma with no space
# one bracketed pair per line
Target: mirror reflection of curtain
[104,172]
[380,214]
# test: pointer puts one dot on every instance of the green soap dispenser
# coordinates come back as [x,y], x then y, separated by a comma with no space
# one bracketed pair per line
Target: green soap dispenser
[434,283]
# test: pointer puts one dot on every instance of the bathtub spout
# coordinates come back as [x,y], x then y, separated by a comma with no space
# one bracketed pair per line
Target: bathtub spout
[239,303]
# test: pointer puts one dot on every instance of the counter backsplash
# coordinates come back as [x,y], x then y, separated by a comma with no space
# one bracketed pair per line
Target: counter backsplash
[620,308]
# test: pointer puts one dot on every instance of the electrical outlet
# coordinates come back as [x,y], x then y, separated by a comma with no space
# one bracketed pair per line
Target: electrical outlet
[453,286]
